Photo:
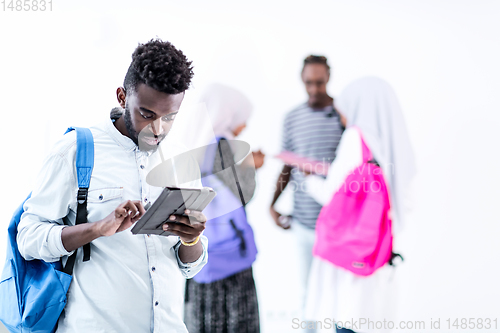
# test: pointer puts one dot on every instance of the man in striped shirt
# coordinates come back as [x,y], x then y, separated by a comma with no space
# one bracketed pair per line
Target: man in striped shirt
[312,130]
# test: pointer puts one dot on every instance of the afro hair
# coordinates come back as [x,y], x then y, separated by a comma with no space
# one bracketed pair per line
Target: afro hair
[161,66]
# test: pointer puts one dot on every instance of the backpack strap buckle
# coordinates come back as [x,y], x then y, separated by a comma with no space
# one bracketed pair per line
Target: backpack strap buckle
[81,197]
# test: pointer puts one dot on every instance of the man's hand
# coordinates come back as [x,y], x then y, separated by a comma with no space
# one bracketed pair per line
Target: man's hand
[258,158]
[279,219]
[122,218]
[189,227]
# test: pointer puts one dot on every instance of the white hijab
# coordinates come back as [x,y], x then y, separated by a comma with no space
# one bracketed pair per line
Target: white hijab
[371,105]
[227,108]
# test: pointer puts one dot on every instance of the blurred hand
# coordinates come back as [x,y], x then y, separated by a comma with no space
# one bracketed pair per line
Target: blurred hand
[258,158]
[280,220]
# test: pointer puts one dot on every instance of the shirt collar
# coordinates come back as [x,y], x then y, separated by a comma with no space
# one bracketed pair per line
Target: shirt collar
[327,108]
[119,138]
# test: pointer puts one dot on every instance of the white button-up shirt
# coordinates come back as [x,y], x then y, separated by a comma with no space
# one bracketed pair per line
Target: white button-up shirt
[132,283]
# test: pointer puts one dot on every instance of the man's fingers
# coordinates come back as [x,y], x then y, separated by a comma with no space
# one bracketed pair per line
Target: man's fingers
[129,212]
[134,208]
[138,210]
[180,219]
[192,216]
[180,228]
[120,212]
[196,215]
[141,208]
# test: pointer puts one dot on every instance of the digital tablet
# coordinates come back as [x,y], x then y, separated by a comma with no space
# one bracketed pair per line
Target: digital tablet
[172,201]
[304,163]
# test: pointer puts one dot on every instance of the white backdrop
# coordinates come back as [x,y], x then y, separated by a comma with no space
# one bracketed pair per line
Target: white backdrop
[62,68]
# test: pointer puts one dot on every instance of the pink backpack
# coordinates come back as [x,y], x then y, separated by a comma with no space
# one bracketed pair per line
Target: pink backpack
[353,231]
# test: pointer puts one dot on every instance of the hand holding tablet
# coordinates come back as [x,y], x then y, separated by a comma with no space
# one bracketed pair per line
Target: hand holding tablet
[174,201]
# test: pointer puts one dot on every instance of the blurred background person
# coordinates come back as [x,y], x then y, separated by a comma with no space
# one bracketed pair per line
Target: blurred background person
[224,299]
[372,112]
[312,130]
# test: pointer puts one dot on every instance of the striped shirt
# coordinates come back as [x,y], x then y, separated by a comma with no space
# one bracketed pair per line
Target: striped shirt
[314,134]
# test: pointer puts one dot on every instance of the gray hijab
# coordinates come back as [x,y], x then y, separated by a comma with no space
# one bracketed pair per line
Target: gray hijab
[371,105]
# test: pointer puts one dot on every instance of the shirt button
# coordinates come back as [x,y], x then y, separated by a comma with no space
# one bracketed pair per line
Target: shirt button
[101,197]
[145,199]
[142,166]
[156,303]
[153,268]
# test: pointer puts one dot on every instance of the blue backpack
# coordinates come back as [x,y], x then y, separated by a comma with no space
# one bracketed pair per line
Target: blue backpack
[33,293]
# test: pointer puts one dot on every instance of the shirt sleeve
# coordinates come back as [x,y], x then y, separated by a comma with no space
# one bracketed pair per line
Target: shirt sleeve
[189,270]
[349,156]
[41,224]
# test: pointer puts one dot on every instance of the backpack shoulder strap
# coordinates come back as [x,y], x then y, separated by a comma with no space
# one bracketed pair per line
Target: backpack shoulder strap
[221,140]
[207,165]
[84,155]
[84,165]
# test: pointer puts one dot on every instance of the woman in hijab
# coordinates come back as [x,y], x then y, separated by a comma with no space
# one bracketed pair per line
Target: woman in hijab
[370,110]
[216,302]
